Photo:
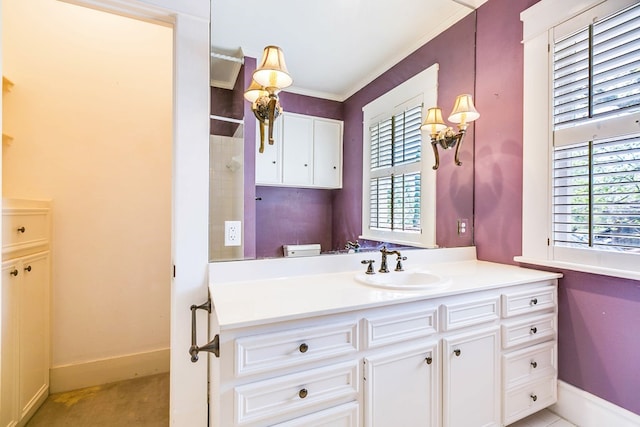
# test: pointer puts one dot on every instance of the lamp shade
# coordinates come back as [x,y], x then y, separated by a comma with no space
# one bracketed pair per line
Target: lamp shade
[272,72]
[464,110]
[254,91]
[433,122]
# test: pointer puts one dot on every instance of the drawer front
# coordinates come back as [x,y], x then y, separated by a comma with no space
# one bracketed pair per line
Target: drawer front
[267,352]
[530,398]
[341,416]
[530,330]
[530,301]
[310,391]
[456,316]
[24,229]
[528,364]
[385,330]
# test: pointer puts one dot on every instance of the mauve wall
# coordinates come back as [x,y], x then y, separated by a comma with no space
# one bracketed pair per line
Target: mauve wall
[599,343]
[454,51]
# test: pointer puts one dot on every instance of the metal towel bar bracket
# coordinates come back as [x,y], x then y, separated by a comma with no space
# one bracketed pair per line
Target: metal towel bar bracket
[212,346]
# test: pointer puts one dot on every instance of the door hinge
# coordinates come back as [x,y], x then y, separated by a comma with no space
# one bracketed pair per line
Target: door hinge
[548,242]
[174,271]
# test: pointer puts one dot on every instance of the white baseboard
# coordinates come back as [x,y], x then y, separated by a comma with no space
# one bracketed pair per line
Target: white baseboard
[587,410]
[96,372]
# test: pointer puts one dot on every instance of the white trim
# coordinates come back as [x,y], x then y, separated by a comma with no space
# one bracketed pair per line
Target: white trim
[587,410]
[96,372]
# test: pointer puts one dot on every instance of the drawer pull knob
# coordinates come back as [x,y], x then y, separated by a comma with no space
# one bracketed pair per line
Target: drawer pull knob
[27,268]
[21,230]
[13,272]
[534,397]
[534,330]
[457,352]
[429,360]
[534,364]
[303,393]
[534,301]
[303,348]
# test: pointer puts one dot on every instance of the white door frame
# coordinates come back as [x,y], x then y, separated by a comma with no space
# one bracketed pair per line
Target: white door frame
[190,199]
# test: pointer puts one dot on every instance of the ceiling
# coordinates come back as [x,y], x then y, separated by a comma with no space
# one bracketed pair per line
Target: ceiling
[332,48]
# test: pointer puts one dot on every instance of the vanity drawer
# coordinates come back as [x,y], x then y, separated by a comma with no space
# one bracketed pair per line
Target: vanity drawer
[525,365]
[457,316]
[24,229]
[530,301]
[309,391]
[293,347]
[530,398]
[346,415]
[530,330]
[388,329]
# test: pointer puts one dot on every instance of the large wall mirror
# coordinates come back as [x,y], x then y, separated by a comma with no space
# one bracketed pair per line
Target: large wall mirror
[342,56]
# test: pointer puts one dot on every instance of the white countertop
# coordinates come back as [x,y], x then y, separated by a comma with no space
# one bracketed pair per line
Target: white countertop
[264,291]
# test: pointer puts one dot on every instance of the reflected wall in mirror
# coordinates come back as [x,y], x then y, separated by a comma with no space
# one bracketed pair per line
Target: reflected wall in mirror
[273,216]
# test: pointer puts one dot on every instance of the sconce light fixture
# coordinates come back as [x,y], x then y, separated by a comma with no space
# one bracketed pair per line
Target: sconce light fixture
[463,113]
[269,78]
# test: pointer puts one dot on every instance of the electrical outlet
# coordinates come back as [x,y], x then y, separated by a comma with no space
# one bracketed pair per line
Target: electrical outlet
[232,233]
[463,224]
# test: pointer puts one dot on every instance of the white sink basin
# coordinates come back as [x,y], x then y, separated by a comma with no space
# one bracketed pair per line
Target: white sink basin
[404,280]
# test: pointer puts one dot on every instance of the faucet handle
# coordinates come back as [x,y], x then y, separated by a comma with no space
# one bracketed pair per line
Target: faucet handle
[370,267]
[399,264]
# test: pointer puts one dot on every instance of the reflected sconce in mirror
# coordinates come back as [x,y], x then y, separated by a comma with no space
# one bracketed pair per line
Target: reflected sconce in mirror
[463,113]
[269,78]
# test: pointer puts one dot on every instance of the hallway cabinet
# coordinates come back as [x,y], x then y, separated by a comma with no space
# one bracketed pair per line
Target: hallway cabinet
[25,309]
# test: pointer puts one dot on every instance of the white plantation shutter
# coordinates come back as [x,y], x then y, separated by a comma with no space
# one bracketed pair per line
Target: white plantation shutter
[596,164]
[395,179]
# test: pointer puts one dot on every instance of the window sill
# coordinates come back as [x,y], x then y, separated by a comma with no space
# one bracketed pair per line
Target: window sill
[611,272]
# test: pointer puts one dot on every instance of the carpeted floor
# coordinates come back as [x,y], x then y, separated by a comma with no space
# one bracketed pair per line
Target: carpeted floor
[138,402]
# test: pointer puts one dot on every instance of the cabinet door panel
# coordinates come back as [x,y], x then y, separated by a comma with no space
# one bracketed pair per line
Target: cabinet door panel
[402,388]
[327,153]
[34,317]
[9,385]
[471,379]
[268,162]
[297,138]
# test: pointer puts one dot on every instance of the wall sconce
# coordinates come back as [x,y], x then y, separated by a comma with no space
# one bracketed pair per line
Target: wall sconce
[269,78]
[463,113]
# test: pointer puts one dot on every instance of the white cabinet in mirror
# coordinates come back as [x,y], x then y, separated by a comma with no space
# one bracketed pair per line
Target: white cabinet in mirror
[307,153]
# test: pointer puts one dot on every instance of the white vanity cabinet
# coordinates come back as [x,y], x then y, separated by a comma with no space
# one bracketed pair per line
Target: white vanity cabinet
[24,370]
[307,152]
[483,356]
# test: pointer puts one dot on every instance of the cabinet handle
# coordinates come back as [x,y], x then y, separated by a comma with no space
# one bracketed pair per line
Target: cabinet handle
[534,397]
[534,301]
[303,348]
[274,162]
[212,346]
[534,364]
[534,330]
[27,268]
[13,272]
[457,352]
[21,230]
[428,360]
[303,393]
[305,165]
[335,167]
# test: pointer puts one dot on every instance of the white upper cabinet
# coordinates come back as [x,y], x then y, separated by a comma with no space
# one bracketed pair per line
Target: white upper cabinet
[307,153]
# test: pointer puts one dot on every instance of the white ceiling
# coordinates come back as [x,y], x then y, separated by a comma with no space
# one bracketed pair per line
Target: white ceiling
[332,48]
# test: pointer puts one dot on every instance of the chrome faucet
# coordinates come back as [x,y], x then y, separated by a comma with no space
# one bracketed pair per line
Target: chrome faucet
[383,263]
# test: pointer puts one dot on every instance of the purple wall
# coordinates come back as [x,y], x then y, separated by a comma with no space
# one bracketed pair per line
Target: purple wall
[599,345]
[454,196]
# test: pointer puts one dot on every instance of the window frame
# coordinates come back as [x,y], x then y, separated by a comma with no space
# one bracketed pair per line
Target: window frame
[422,88]
[541,22]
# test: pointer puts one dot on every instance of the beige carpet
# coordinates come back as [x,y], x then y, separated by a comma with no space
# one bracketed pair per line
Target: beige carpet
[138,402]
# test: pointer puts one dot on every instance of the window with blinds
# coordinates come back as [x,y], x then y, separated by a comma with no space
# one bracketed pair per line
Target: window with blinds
[395,181]
[596,183]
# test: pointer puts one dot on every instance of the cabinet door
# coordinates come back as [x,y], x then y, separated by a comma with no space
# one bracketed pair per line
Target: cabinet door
[268,167]
[297,150]
[327,153]
[34,332]
[11,278]
[401,388]
[471,379]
